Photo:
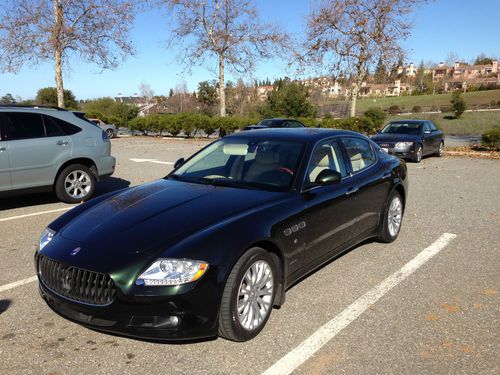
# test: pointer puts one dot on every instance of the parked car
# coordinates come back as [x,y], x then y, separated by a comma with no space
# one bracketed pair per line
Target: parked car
[276,123]
[411,139]
[212,247]
[51,149]
[110,129]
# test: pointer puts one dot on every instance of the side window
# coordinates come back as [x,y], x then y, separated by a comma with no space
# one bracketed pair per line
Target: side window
[295,124]
[360,153]
[326,155]
[18,125]
[433,126]
[57,127]
[427,128]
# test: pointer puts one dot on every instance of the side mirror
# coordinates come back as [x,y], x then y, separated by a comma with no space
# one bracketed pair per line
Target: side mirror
[328,177]
[178,163]
[379,131]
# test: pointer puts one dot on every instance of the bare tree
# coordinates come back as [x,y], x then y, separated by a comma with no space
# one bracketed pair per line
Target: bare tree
[354,35]
[33,31]
[228,30]
[147,93]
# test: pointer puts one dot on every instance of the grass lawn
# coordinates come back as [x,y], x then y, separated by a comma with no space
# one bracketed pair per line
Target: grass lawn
[408,102]
[470,123]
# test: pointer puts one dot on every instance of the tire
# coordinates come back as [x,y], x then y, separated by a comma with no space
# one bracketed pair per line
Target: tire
[76,183]
[237,326]
[110,133]
[388,233]
[440,151]
[417,156]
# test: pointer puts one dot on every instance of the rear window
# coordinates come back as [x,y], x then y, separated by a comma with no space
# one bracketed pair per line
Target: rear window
[55,127]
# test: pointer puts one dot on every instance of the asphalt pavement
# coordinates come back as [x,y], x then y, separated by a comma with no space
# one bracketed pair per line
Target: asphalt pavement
[442,317]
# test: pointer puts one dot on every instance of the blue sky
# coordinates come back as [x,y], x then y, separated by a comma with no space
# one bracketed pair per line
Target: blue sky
[464,27]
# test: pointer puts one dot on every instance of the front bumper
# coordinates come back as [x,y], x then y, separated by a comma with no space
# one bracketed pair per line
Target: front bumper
[406,154]
[189,316]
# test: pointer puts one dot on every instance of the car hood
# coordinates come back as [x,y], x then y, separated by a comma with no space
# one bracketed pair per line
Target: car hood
[149,219]
[392,138]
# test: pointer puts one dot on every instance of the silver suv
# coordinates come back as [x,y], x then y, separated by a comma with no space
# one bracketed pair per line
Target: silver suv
[51,148]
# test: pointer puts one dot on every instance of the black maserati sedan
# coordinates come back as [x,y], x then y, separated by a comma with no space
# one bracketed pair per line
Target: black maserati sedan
[211,248]
[411,139]
[276,123]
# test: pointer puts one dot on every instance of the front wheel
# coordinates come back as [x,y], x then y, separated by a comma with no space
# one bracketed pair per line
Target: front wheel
[440,151]
[110,133]
[392,219]
[417,156]
[248,296]
[76,183]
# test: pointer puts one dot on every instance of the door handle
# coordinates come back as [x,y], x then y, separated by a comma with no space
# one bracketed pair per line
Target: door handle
[351,190]
[62,143]
[2,149]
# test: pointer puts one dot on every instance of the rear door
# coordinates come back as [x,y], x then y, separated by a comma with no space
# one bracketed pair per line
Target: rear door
[5,183]
[36,149]
[428,139]
[370,185]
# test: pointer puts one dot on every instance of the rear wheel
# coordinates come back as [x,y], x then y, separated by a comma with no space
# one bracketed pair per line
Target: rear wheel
[75,183]
[392,219]
[417,156]
[248,296]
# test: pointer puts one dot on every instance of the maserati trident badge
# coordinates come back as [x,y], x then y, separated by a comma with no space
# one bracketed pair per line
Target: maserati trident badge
[75,251]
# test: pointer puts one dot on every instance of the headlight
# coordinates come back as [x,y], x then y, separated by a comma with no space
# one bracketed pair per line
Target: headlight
[45,238]
[403,145]
[172,272]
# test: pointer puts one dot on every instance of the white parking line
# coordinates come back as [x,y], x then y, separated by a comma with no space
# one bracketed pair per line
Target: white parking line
[13,285]
[35,214]
[155,161]
[311,345]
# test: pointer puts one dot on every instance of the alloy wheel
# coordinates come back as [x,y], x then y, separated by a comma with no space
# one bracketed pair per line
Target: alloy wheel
[255,295]
[394,216]
[77,184]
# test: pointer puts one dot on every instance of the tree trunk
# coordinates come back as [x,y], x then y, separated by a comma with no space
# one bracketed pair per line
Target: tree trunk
[222,92]
[354,98]
[58,14]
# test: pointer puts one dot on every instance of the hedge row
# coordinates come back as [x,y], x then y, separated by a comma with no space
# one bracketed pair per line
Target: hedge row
[491,138]
[191,124]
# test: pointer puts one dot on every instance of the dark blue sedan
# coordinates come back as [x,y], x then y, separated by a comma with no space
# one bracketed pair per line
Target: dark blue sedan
[411,139]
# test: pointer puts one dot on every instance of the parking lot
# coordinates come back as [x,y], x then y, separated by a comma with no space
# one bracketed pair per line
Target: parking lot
[427,303]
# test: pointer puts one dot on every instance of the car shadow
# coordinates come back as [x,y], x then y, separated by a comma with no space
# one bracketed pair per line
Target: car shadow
[25,199]
[4,305]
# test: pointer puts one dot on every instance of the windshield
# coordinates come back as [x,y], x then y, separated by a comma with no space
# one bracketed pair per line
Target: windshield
[244,163]
[412,128]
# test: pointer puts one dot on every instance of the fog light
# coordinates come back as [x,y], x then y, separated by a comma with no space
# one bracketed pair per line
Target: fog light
[154,321]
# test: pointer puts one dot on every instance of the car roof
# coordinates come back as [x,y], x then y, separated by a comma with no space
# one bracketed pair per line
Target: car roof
[292,134]
[413,121]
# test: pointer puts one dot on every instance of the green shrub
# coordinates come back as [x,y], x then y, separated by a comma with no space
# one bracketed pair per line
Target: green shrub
[171,125]
[458,104]
[394,109]
[491,138]
[139,124]
[376,115]
[416,109]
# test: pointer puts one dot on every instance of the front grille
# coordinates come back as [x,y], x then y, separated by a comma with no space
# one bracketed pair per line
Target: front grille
[75,283]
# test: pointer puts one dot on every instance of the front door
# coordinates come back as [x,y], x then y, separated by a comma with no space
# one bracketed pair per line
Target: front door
[329,216]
